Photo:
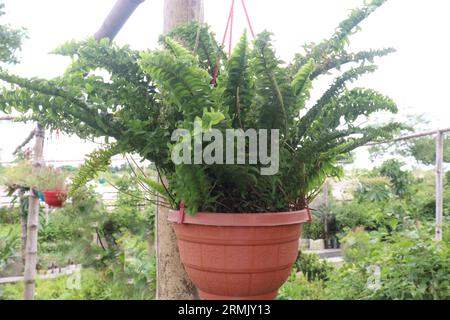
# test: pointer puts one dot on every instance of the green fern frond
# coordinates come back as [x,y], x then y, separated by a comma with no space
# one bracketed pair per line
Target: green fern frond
[239,93]
[177,49]
[201,42]
[273,92]
[193,187]
[302,84]
[186,85]
[158,188]
[333,49]
[97,162]
[336,88]
[343,58]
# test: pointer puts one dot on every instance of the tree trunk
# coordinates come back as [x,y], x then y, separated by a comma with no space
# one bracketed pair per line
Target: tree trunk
[33,221]
[172,281]
[177,12]
[116,19]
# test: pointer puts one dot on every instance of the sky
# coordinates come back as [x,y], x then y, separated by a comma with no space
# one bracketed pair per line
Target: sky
[416,77]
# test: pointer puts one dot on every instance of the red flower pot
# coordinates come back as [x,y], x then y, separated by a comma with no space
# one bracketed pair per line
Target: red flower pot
[55,198]
[238,256]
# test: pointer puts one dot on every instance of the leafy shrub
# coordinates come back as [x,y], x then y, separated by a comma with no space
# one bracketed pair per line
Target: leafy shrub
[17,174]
[400,179]
[406,265]
[89,284]
[351,215]
[428,209]
[299,288]
[9,215]
[312,267]
[373,189]
[132,275]
[314,230]
[9,243]
[370,215]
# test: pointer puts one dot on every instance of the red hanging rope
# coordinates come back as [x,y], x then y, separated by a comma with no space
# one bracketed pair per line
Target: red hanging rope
[229,27]
[182,213]
[228,23]
[308,212]
[248,19]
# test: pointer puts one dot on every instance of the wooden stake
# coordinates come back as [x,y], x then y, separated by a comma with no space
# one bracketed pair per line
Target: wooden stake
[33,220]
[439,184]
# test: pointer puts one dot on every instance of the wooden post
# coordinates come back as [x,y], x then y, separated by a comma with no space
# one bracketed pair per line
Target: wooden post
[33,220]
[172,280]
[439,183]
[177,12]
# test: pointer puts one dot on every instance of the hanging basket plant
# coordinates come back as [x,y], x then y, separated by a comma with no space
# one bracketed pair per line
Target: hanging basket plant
[238,213]
[51,184]
[55,198]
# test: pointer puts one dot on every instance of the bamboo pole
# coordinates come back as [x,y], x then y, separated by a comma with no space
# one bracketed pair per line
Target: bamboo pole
[439,184]
[409,137]
[23,224]
[33,220]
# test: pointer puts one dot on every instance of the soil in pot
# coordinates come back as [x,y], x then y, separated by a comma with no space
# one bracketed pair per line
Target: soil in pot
[239,256]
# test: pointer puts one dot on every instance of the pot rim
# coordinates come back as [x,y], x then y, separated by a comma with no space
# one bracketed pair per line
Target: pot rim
[241,219]
[55,191]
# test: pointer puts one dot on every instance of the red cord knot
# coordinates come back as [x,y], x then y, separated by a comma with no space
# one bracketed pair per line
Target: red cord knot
[182,213]
[308,212]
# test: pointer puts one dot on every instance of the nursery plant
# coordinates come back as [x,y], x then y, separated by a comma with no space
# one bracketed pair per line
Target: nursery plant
[51,182]
[16,175]
[140,99]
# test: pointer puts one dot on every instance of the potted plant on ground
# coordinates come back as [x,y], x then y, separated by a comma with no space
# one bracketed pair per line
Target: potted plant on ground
[238,216]
[51,182]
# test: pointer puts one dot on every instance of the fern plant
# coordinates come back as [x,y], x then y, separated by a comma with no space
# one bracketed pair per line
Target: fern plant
[145,96]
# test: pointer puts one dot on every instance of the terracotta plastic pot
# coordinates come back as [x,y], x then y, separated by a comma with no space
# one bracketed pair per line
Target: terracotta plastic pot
[55,198]
[238,256]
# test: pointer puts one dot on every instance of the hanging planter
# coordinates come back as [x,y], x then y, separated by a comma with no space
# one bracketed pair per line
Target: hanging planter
[52,183]
[238,256]
[289,147]
[55,198]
